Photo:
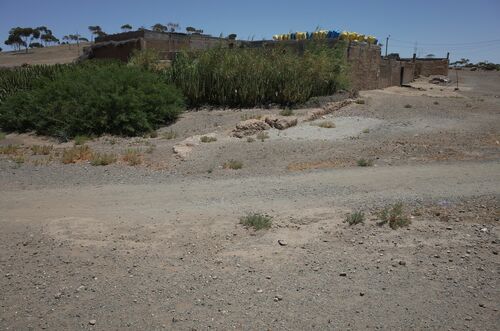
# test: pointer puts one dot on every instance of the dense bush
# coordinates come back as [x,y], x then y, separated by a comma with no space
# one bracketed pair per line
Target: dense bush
[93,99]
[257,76]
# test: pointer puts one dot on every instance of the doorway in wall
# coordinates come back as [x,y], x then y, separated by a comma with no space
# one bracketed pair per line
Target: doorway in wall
[401,75]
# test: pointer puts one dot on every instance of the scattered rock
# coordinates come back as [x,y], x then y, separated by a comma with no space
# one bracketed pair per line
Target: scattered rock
[361,294]
[92,322]
[278,298]
[402,262]
[328,108]
[343,274]
[282,242]
[249,128]
[281,123]
[58,295]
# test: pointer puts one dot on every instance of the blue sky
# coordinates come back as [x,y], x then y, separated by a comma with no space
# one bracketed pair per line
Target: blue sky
[466,29]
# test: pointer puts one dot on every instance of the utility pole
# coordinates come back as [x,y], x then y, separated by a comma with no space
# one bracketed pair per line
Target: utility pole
[386,44]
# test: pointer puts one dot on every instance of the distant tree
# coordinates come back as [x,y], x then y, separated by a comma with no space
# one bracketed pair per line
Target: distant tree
[48,38]
[430,56]
[95,30]
[232,36]
[22,37]
[126,27]
[35,45]
[83,39]
[1,49]
[190,29]
[172,27]
[158,27]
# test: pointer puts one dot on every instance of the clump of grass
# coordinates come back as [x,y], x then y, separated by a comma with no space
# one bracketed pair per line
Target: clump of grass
[151,134]
[207,139]
[366,131]
[80,140]
[286,112]
[2,135]
[132,157]
[436,103]
[75,154]
[41,149]
[256,221]
[245,117]
[364,163]
[360,101]
[263,135]
[250,140]
[408,106]
[394,215]
[151,149]
[325,124]
[102,159]
[233,164]
[355,218]
[169,135]
[19,159]
[9,149]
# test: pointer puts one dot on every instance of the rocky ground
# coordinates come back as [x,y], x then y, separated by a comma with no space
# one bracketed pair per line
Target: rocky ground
[158,244]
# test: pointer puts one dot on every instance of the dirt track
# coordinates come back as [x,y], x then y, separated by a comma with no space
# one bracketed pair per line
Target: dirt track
[144,249]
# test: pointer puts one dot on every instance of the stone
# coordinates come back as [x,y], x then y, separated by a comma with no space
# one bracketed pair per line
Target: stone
[281,122]
[343,274]
[278,298]
[402,262]
[282,242]
[249,128]
[92,322]
[58,295]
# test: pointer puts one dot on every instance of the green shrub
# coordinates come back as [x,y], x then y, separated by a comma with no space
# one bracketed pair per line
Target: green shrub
[147,59]
[394,215]
[102,159]
[2,135]
[355,218]
[169,135]
[256,221]
[364,163]
[92,99]
[247,77]
[207,139]
[233,164]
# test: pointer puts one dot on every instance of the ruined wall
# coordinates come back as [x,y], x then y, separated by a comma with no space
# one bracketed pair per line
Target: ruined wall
[428,67]
[364,65]
[120,50]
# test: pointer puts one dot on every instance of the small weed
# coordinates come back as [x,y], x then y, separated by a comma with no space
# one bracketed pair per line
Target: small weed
[263,135]
[151,149]
[408,106]
[132,157]
[41,149]
[233,164]
[75,154]
[468,105]
[286,112]
[245,117]
[102,159]
[209,171]
[9,149]
[153,134]
[360,101]
[250,140]
[394,215]
[207,139]
[355,218]
[325,124]
[169,135]
[436,103]
[19,159]
[366,131]
[364,163]
[2,135]
[80,140]
[257,221]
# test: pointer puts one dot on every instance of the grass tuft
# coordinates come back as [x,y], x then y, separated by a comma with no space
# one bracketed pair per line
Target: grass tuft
[360,101]
[250,140]
[169,135]
[408,106]
[286,112]
[9,149]
[132,157]
[80,140]
[76,154]
[325,124]
[263,135]
[256,221]
[41,149]
[207,139]
[233,164]
[364,163]
[356,217]
[102,159]
[394,215]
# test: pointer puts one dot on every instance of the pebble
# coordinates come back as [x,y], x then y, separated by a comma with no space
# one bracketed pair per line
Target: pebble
[361,294]
[402,262]
[58,295]
[282,242]
[343,274]
[92,322]
[278,298]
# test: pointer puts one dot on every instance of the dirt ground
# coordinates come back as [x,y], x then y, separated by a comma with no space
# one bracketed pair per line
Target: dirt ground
[158,245]
[47,55]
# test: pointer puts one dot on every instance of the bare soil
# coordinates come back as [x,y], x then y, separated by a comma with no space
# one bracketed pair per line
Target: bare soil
[46,55]
[159,244]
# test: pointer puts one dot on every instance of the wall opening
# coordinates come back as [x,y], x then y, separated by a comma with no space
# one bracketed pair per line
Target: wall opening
[401,76]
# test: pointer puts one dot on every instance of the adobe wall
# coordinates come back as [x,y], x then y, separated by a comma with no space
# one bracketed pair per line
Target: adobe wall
[429,67]
[390,72]
[364,66]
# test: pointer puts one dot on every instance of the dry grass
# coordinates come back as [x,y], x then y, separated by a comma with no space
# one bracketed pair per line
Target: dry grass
[325,124]
[133,157]
[169,135]
[41,149]
[263,135]
[9,149]
[364,163]
[233,164]
[250,140]
[102,159]
[286,112]
[245,117]
[76,154]
[360,101]
[80,140]
[207,139]
[394,215]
